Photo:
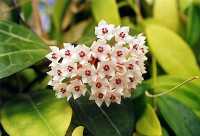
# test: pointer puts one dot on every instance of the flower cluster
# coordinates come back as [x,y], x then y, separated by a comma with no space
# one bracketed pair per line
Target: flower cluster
[112,67]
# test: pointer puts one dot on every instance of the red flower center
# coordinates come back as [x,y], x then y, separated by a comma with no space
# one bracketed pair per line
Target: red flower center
[59,72]
[130,66]
[77,88]
[100,49]
[119,53]
[118,81]
[54,56]
[98,85]
[82,54]
[100,95]
[70,68]
[122,35]
[112,97]
[104,30]
[67,53]
[62,90]
[106,67]
[87,72]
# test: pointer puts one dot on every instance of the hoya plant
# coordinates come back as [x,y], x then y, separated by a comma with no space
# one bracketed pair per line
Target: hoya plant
[99,68]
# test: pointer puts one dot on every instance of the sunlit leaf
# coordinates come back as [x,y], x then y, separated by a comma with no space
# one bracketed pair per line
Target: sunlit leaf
[19,48]
[167,13]
[106,10]
[179,117]
[171,51]
[148,124]
[78,131]
[39,115]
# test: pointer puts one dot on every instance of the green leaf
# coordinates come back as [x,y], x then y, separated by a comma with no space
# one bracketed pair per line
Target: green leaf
[19,48]
[179,117]
[188,94]
[193,23]
[78,131]
[167,13]
[106,10]
[149,124]
[116,120]
[58,12]
[39,115]
[173,54]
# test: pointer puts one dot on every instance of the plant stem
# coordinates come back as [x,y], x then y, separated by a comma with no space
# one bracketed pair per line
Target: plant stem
[173,89]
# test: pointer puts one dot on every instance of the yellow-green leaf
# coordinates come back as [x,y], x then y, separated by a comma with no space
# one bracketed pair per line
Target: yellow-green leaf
[39,115]
[171,51]
[106,10]
[149,124]
[78,131]
[166,12]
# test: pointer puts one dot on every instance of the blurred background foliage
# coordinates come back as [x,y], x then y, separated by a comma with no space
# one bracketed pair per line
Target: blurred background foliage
[28,106]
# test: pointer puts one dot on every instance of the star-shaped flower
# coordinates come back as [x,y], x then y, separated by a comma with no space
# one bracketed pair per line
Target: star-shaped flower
[54,55]
[121,34]
[77,88]
[101,50]
[104,31]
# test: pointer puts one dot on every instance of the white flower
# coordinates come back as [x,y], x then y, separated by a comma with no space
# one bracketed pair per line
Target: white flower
[82,53]
[137,44]
[104,31]
[77,88]
[100,84]
[88,73]
[70,69]
[113,96]
[54,55]
[121,34]
[119,53]
[57,72]
[68,53]
[111,68]
[62,91]
[106,69]
[101,50]
[118,82]
[98,96]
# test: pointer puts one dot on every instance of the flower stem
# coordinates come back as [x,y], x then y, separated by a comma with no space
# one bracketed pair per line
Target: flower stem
[172,89]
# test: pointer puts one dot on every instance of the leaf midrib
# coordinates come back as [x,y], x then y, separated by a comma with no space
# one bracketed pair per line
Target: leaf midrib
[41,116]
[18,37]
[21,51]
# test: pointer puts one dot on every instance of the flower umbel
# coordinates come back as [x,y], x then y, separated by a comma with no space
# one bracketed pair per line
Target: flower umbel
[112,71]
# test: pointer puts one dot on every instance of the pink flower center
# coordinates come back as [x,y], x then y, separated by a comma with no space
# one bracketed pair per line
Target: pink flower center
[100,95]
[59,72]
[70,68]
[82,54]
[54,56]
[106,67]
[118,81]
[100,49]
[87,72]
[98,85]
[67,53]
[104,30]
[122,35]
[119,53]
[77,88]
